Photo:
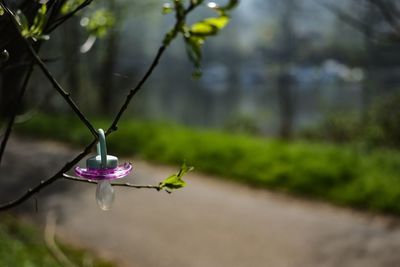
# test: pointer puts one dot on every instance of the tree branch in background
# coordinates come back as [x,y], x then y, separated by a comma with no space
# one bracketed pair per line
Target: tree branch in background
[48,74]
[389,13]
[180,19]
[353,22]
[170,36]
[67,16]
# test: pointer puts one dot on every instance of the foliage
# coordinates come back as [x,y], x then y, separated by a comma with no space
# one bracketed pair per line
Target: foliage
[384,125]
[99,23]
[70,6]
[381,129]
[195,35]
[338,173]
[242,124]
[175,181]
[339,127]
[35,30]
[22,245]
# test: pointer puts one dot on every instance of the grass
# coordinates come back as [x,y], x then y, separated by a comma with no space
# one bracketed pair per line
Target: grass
[340,174]
[22,245]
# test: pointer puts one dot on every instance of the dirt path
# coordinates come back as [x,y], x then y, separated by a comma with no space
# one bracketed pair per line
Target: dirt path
[211,223]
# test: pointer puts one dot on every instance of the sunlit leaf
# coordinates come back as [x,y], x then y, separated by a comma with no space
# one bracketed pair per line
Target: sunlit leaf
[39,22]
[209,26]
[167,8]
[195,38]
[70,6]
[35,31]
[100,22]
[175,181]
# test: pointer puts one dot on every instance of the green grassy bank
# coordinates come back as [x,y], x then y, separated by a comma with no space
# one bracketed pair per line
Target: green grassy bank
[341,174]
[22,245]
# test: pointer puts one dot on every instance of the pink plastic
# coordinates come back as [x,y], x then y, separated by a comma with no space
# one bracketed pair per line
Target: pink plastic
[104,174]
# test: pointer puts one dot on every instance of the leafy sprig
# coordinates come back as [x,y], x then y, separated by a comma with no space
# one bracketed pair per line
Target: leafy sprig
[175,181]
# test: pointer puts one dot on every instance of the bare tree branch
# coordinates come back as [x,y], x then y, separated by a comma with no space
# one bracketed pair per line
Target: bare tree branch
[61,173]
[36,189]
[387,12]
[48,74]
[350,20]
[179,21]
[67,16]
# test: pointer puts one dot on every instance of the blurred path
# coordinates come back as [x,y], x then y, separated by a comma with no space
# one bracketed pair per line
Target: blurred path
[211,223]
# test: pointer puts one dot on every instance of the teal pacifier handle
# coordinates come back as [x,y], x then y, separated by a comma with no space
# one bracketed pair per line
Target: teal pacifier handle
[102,160]
[102,148]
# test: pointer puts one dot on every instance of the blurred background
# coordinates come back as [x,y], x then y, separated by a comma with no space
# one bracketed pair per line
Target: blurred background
[280,68]
[298,97]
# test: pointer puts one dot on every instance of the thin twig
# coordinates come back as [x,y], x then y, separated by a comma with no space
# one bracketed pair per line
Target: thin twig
[61,20]
[179,20]
[112,128]
[114,125]
[61,91]
[386,11]
[76,179]
[47,73]
[350,20]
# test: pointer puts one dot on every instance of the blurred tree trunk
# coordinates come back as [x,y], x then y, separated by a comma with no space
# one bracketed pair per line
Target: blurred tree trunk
[71,61]
[13,71]
[106,73]
[108,65]
[287,46]
[366,92]
[286,103]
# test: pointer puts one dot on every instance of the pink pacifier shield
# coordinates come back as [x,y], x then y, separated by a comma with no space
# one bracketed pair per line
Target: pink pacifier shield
[104,174]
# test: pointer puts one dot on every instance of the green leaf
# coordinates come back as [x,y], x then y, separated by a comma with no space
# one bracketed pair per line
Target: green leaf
[193,49]
[35,31]
[209,26]
[1,11]
[195,38]
[167,8]
[39,22]
[99,22]
[175,181]
[70,6]
[22,22]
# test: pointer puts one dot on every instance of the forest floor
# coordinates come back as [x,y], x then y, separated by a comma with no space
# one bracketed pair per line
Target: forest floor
[210,223]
